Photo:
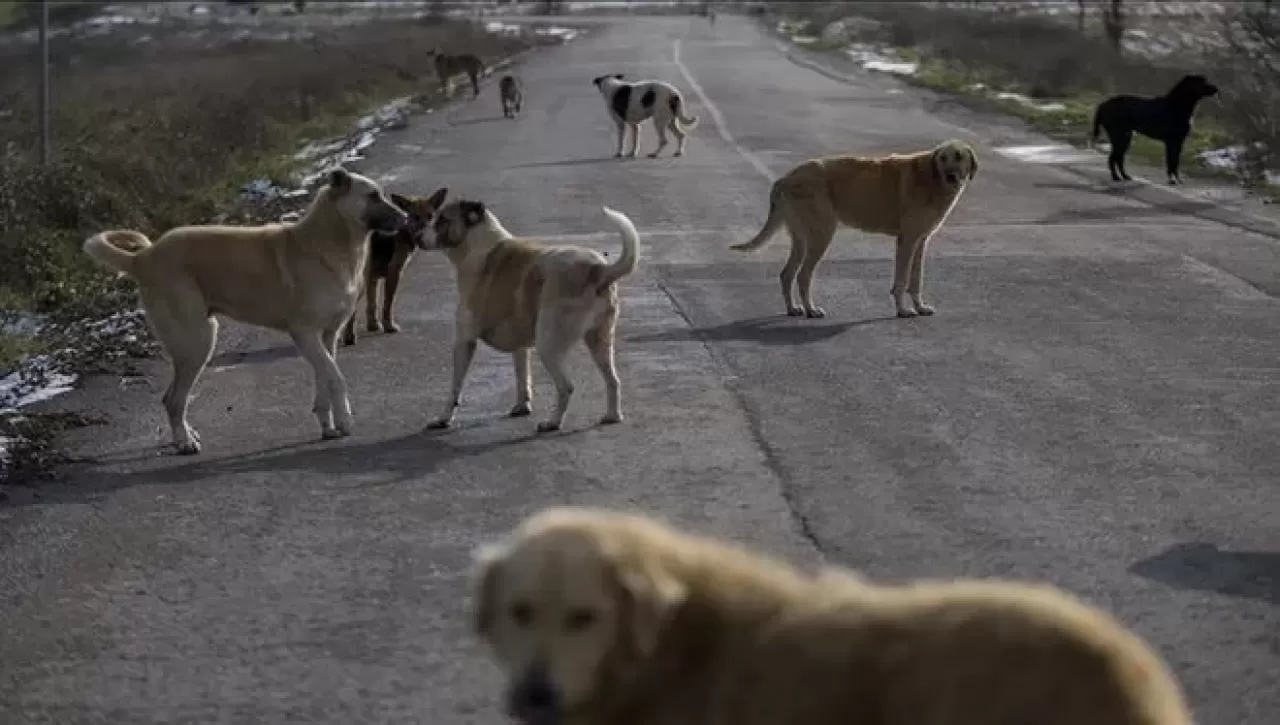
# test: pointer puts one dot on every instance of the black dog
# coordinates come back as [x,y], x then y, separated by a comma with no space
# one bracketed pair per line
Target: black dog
[1166,118]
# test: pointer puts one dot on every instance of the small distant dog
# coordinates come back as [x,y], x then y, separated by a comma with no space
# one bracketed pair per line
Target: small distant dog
[302,278]
[512,96]
[907,196]
[516,295]
[1166,118]
[389,254]
[630,104]
[447,66]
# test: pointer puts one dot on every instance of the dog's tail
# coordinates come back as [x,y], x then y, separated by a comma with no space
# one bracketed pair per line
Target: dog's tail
[626,264]
[677,109]
[1097,126]
[771,225]
[116,250]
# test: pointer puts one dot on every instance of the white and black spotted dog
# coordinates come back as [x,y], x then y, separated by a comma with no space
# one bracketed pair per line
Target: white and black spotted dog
[630,104]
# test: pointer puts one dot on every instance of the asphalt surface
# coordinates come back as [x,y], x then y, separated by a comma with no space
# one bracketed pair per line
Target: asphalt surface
[1094,405]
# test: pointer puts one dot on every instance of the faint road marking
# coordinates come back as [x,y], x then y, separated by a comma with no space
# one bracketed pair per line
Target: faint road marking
[717,117]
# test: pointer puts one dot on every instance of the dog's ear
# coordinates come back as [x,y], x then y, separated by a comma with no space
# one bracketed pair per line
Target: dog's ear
[973,161]
[472,212]
[650,597]
[487,567]
[404,202]
[935,163]
[340,180]
[436,200]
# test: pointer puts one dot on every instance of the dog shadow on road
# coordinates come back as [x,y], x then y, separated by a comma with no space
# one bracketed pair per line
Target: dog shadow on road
[478,119]
[771,330]
[569,162]
[232,358]
[1205,567]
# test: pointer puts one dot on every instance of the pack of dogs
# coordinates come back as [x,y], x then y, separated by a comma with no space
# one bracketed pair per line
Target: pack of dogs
[605,618]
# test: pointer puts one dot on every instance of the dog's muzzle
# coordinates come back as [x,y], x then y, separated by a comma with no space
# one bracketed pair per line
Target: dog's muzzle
[952,178]
[533,699]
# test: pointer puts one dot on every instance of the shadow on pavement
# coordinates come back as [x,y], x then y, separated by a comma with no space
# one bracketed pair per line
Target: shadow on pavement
[1205,567]
[570,162]
[766,330]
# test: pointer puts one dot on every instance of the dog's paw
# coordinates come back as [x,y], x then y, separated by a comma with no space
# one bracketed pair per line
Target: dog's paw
[548,426]
[611,419]
[390,328]
[521,410]
[924,310]
[373,326]
[439,424]
[678,154]
[904,312]
[328,434]
[618,155]
[795,312]
[187,448]
[348,340]
[815,313]
[653,155]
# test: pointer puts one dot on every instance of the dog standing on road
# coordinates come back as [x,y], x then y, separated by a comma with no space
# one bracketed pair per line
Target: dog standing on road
[512,94]
[907,196]
[447,66]
[598,617]
[389,254]
[1166,118]
[515,295]
[302,278]
[630,104]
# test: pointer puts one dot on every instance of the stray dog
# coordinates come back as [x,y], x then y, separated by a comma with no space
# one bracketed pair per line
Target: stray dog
[509,88]
[516,294]
[630,104]
[302,278]
[601,618]
[1166,118]
[907,196]
[389,254]
[447,66]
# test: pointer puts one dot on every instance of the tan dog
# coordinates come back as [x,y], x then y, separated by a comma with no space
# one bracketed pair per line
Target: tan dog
[302,278]
[516,294]
[907,196]
[601,618]
[389,254]
[447,66]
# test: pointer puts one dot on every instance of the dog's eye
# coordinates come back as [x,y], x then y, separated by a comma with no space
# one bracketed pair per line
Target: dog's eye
[579,619]
[521,614]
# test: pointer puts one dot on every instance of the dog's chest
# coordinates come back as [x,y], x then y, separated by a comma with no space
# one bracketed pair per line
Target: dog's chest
[503,294]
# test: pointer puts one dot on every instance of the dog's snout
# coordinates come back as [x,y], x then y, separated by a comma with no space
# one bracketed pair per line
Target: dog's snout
[534,700]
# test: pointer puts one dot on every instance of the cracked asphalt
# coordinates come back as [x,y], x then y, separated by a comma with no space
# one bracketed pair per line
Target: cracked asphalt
[1095,405]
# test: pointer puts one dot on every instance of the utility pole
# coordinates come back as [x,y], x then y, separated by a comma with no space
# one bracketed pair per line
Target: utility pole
[44,81]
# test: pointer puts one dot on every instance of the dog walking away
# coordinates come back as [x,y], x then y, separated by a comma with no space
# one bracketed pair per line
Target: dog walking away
[630,104]
[600,618]
[1166,118]
[906,196]
[389,254]
[302,278]
[447,66]
[515,295]
[509,89]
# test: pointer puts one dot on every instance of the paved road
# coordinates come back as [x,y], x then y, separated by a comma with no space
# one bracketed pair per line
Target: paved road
[1095,404]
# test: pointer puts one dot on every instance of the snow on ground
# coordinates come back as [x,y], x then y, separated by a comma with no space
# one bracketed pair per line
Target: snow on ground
[875,60]
[1232,158]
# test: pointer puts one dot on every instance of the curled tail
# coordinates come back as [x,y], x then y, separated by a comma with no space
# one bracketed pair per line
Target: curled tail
[687,123]
[626,264]
[116,250]
[771,225]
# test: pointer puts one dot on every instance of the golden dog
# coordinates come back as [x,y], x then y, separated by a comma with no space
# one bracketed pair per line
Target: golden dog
[302,278]
[907,196]
[516,295]
[602,618]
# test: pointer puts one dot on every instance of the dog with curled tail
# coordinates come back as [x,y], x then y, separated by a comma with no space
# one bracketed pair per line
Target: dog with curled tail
[632,103]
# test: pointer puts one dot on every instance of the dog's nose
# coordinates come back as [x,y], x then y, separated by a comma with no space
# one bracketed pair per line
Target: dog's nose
[534,699]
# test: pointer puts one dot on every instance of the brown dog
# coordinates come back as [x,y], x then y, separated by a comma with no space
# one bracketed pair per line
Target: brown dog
[602,618]
[389,254]
[907,196]
[447,66]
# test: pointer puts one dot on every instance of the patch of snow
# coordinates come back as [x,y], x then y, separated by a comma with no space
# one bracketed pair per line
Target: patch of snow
[564,34]
[805,39]
[875,60]
[1047,154]
[1232,158]
[1051,107]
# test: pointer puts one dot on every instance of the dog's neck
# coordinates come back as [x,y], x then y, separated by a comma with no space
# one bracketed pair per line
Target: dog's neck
[322,220]
[480,239]
[609,86]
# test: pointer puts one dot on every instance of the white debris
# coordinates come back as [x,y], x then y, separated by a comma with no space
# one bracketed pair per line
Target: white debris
[1050,107]
[1233,158]
[876,60]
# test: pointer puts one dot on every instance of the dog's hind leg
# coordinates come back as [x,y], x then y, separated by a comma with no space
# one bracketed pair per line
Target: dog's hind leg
[332,407]
[787,277]
[554,340]
[915,279]
[389,289]
[524,383]
[662,140]
[371,322]
[463,351]
[818,226]
[188,333]
[680,136]
[600,342]
[1115,160]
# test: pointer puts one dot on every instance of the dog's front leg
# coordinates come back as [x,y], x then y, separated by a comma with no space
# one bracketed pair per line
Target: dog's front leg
[331,401]
[622,131]
[349,329]
[463,351]
[915,280]
[524,384]
[903,253]
[1172,157]
[635,140]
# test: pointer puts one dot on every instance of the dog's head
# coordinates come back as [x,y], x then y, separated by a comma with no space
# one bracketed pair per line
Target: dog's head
[361,201]
[422,212]
[565,607]
[1192,88]
[599,81]
[452,224]
[954,162]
